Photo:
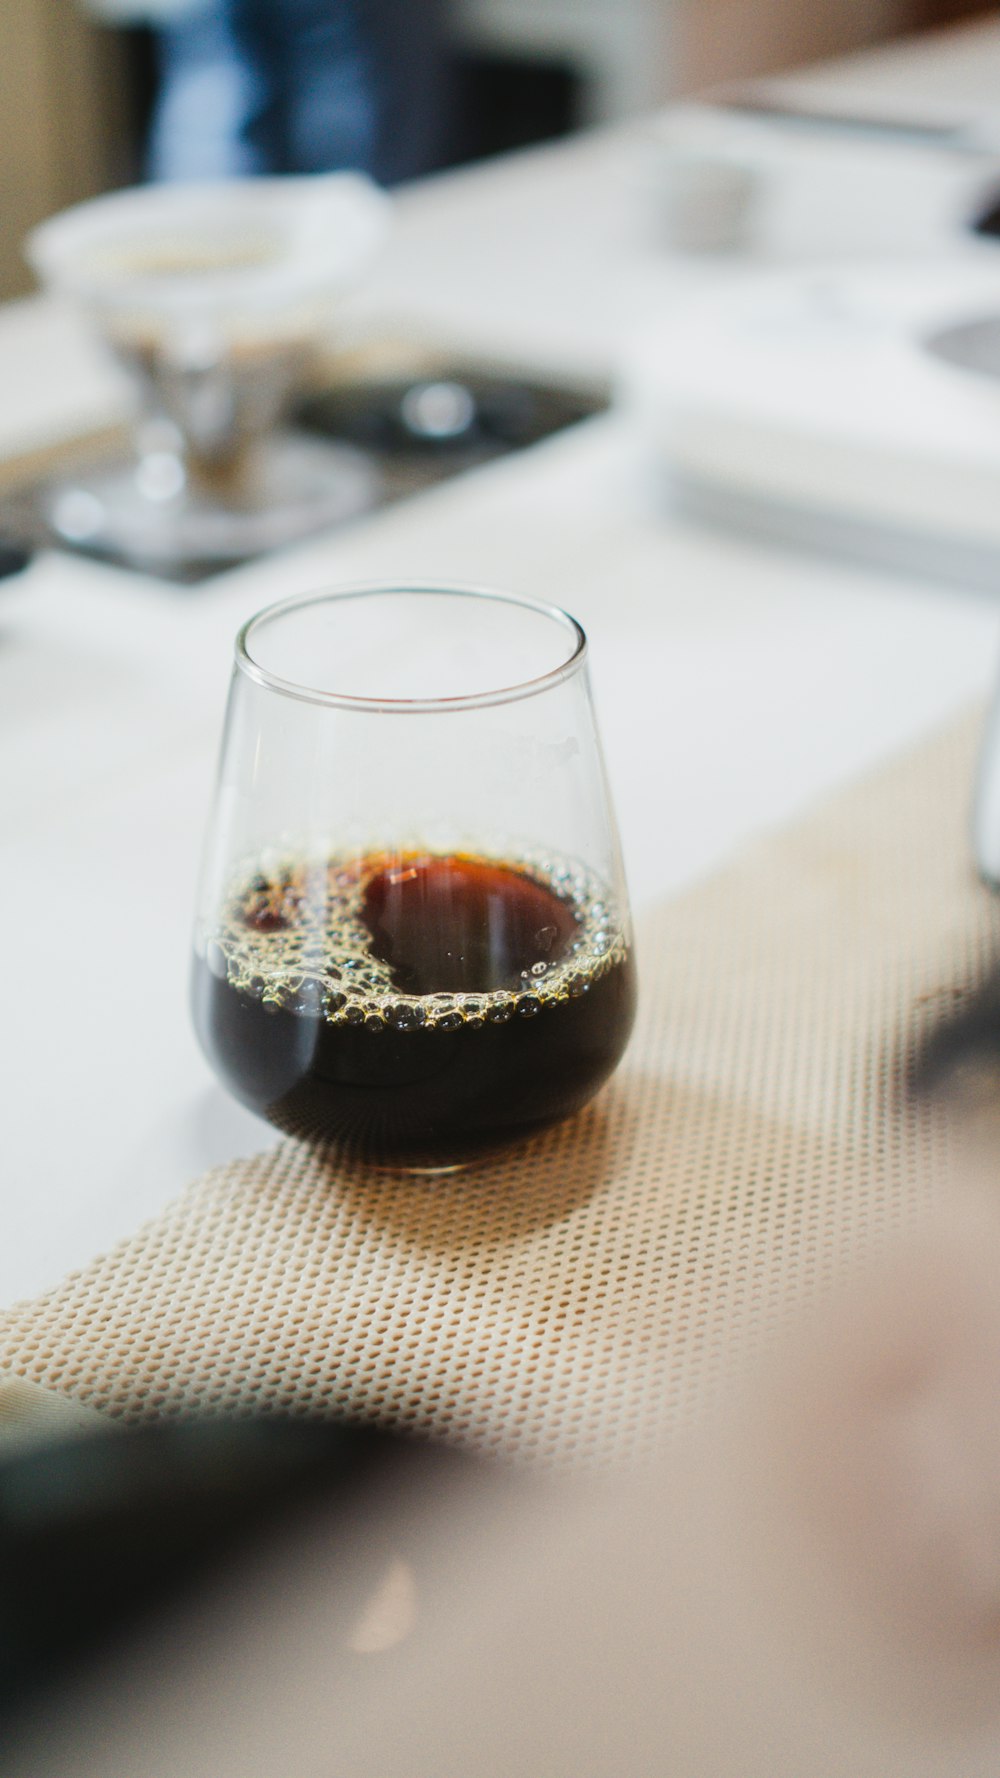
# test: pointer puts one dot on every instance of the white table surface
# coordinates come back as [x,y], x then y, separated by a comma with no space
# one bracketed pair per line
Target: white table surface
[734,684]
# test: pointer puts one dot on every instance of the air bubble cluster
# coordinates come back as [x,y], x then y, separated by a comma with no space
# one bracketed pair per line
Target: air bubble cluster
[294,938]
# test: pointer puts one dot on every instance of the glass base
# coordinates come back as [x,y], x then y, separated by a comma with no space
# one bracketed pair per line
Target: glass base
[425,1169]
[145,513]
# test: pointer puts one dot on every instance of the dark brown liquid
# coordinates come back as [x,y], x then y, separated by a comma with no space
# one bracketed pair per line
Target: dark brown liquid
[421,1007]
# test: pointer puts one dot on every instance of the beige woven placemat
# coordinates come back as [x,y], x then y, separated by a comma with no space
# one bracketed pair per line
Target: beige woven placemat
[570,1300]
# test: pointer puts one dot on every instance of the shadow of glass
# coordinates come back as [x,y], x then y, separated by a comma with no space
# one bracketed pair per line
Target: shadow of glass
[497,1200]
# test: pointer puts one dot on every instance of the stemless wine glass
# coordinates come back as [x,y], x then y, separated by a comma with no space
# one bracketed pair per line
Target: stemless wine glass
[413,939]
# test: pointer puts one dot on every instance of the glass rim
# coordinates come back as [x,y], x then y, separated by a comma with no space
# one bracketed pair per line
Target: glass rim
[314,694]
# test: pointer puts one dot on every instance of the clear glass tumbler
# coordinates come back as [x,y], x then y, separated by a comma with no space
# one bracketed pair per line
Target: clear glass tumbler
[412,938]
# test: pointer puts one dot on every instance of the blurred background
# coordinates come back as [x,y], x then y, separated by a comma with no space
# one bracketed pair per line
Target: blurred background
[83,83]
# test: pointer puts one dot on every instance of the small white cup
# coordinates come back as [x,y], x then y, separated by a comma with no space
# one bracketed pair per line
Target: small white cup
[703,202]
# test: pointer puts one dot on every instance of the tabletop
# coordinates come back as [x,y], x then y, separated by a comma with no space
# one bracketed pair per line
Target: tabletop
[734,683]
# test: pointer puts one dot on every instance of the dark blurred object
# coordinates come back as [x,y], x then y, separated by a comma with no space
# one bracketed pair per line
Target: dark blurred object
[506,102]
[413,428]
[101,1533]
[986,220]
[298,86]
[930,15]
[486,104]
[450,419]
[960,1055]
[13,559]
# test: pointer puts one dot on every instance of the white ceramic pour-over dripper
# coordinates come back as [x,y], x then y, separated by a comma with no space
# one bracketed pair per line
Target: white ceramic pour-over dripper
[214,296]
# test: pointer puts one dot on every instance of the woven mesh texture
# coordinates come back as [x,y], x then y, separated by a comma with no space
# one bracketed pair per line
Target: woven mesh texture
[569,1301]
